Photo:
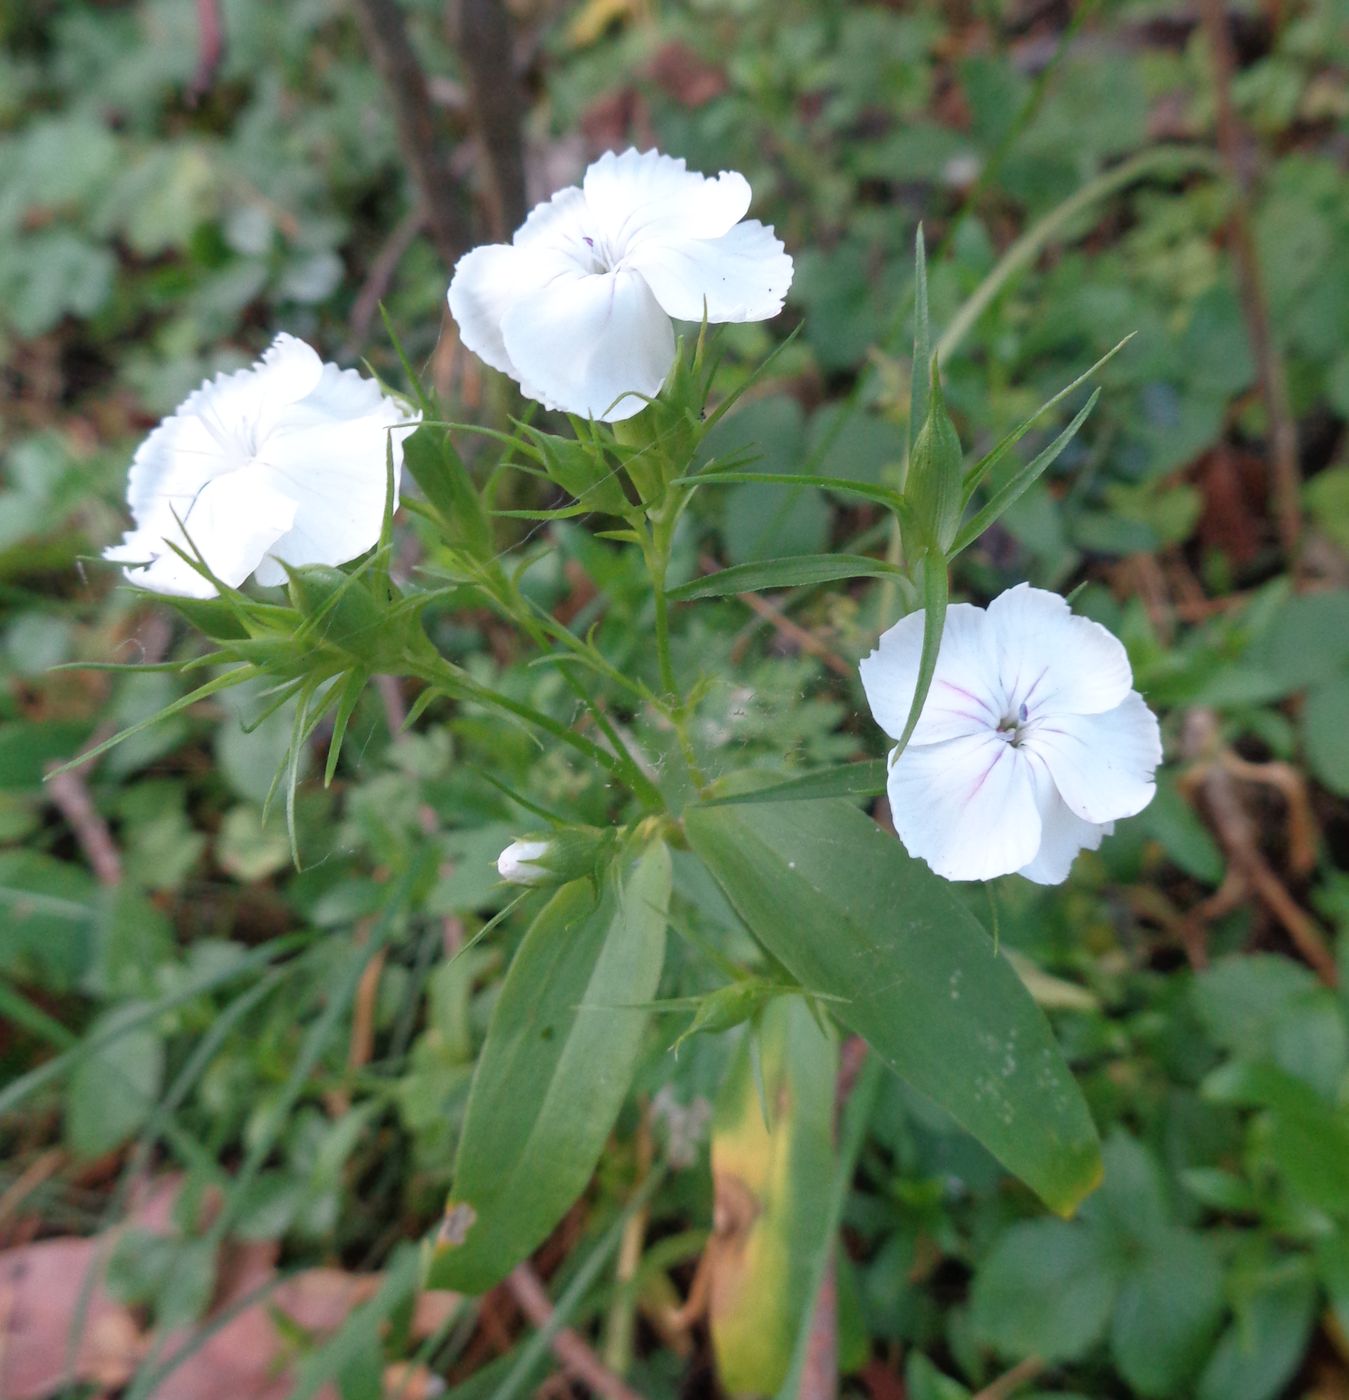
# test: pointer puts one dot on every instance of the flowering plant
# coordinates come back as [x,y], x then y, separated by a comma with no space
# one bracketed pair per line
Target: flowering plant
[1018,738]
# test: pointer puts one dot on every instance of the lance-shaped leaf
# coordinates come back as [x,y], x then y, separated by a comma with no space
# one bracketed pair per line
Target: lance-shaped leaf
[797,571]
[439,470]
[851,916]
[557,1063]
[770,1178]
[865,779]
[936,473]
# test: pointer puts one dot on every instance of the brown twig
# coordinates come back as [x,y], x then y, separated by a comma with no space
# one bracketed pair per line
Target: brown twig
[1235,151]
[571,1350]
[424,145]
[784,626]
[1213,776]
[211,51]
[70,796]
[1007,1383]
[70,793]
[483,34]
[40,1170]
[819,1373]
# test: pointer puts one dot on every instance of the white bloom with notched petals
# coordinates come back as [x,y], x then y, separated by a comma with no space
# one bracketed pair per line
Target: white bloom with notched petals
[1030,746]
[577,307]
[284,461]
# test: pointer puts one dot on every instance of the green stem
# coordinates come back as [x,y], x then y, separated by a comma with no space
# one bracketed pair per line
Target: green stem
[1174,159]
[656,550]
[507,596]
[621,765]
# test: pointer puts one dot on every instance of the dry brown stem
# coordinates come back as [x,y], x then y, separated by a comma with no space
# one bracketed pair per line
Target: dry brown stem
[570,1348]
[1234,147]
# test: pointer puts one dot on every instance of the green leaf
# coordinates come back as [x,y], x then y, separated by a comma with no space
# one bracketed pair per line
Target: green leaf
[769,1180]
[803,569]
[986,463]
[1008,494]
[882,495]
[866,779]
[445,481]
[1325,735]
[1310,1138]
[1261,1350]
[851,916]
[920,377]
[934,489]
[556,1066]
[1169,1307]
[112,1093]
[1046,1289]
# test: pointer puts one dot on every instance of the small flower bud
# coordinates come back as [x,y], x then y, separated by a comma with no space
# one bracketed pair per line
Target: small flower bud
[554,858]
[517,864]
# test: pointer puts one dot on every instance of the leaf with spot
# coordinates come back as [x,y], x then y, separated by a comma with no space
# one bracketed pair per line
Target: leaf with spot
[555,1069]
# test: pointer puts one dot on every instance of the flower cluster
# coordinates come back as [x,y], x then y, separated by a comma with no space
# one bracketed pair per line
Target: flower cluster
[1031,743]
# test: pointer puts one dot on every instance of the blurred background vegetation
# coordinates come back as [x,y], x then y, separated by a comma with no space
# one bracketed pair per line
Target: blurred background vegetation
[226,1119]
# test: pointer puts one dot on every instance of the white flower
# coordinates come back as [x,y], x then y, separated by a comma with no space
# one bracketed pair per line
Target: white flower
[517,864]
[1031,743]
[577,307]
[284,461]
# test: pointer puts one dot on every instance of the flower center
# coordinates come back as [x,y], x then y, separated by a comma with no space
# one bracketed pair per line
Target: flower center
[599,255]
[1011,727]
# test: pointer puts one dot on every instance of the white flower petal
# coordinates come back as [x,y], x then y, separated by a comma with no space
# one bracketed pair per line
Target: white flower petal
[487,282]
[637,195]
[1062,833]
[234,520]
[1052,661]
[965,696]
[741,276]
[287,458]
[1102,764]
[288,371]
[562,221]
[966,806]
[583,342]
[336,473]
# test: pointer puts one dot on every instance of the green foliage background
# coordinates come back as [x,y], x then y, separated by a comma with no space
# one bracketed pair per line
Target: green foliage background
[196,1014]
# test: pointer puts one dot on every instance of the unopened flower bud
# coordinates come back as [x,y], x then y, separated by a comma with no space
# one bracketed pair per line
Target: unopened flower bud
[554,858]
[517,864]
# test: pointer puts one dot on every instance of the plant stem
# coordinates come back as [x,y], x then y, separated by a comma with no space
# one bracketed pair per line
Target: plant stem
[509,598]
[656,549]
[1173,160]
[621,765]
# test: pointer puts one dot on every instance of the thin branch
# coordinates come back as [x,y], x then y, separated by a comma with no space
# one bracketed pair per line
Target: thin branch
[571,1350]
[1010,1381]
[784,626]
[69,792]
[424,144]
[211,52]
[1211,775]
[819,1372]
[1285,475]
[483,34]
[70,796]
